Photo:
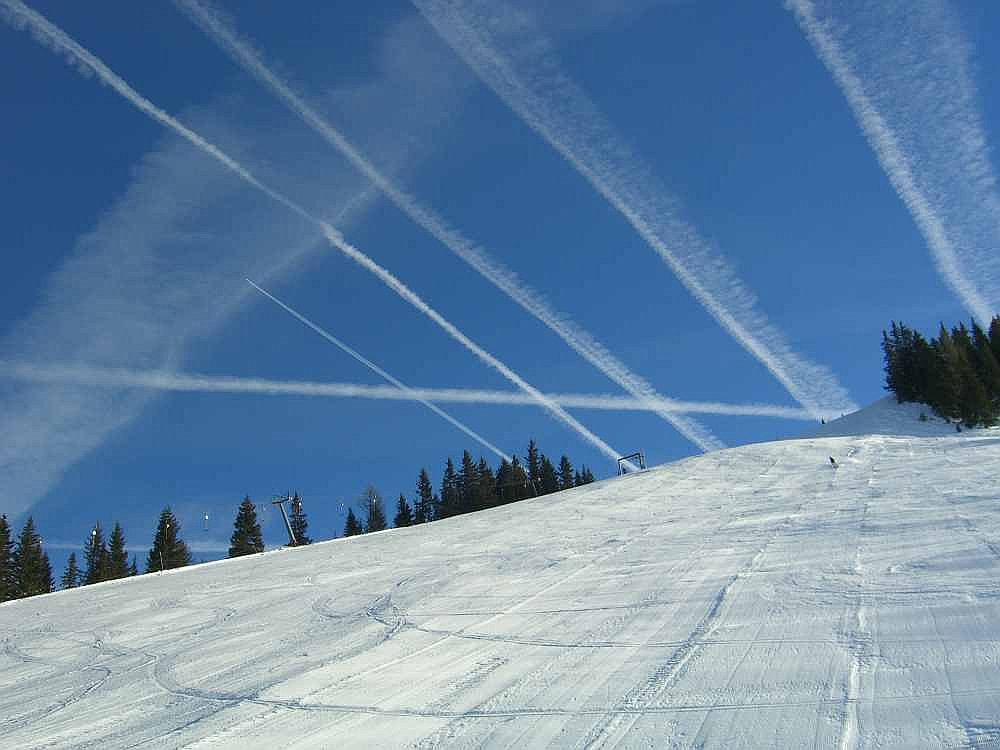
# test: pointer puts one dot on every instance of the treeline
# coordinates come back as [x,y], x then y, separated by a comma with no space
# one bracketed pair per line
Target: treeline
[473,486]
[957,374]
[24,565]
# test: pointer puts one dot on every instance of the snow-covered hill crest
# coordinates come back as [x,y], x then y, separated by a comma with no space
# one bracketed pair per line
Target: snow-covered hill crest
[754,597]
[886,417]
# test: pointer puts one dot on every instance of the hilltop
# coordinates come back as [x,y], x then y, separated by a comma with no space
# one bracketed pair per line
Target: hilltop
[752,597]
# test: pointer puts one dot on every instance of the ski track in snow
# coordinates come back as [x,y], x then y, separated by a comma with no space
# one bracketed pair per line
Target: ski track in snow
[754,597]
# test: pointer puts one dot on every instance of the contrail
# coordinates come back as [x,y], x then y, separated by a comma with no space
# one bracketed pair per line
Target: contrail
[21,16]
[383,374]
[943,174]
[166,380]
[529,80]
[474,255]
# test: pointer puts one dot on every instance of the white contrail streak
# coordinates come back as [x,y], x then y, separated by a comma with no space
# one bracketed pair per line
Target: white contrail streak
[475,256]
[196,383]
[528,79]
[382,373]
[21,16]
[950,132]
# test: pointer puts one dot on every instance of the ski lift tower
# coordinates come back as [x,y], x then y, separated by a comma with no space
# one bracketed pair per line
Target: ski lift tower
[280,502]
[632,462]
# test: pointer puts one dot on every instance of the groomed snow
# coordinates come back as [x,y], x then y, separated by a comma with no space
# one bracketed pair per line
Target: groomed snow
[755,597]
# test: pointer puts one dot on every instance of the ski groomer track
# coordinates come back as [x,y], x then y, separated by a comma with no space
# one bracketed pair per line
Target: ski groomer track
[755,597]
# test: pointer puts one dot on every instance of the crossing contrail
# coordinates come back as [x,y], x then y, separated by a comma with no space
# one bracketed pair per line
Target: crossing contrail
[504,278]
[400,386]
[523,71]
[161,380]
[21,16]
[915,103]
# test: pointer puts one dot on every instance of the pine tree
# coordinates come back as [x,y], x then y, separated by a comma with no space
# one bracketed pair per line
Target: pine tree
[534,466]
[503,481]
[95,555]
[586,475]
[423,510]
[485,488]
[117,554]
[468,484]
[352,527]
[994,334]
[577,479]
[957,374]
[133,569]
[247,538]
[450,492]
[32,572]
[6,561]
[548,479]
[566,478]
[404,514]
[520,483]
[298,521]
[987,367]
[946,382]
[890,356]
[376,514]
[169,550]
[71,577]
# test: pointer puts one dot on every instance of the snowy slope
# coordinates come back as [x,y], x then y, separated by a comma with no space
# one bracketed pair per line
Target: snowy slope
[886,417]
[754,597]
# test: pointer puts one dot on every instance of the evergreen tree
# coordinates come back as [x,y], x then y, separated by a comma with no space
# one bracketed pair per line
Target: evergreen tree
[520,483]
[994,335]
[957,374]
[503,481]
[548,479]
[986,365]
[485,488]
[6,561]
[450,492]
[117,554]
[71,576]
[300,526]
[566,478]
[32,572]
[169,550]
[423,510]
[95,555]
[468,485]
[586,475]
[351,526]
[946,385]
[577,478]
[512,482]
[534,466]
[376,515]
[404,514]
[133,569]
[247,538]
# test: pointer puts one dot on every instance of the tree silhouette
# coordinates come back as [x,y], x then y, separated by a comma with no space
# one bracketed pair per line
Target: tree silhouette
[169,550]
[247,538]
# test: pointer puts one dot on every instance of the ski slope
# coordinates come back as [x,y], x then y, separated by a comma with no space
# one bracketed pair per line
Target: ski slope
[754,597]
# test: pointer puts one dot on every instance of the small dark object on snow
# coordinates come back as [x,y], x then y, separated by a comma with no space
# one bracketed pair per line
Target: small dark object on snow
[833,461]
[958,427]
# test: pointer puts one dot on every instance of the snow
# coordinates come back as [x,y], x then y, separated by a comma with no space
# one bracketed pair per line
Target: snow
[754,597]
[886,417]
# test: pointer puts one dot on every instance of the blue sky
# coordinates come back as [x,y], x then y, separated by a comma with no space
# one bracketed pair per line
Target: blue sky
[127,247]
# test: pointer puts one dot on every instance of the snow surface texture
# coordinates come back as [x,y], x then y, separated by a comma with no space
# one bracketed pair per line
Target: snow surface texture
[755,597]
